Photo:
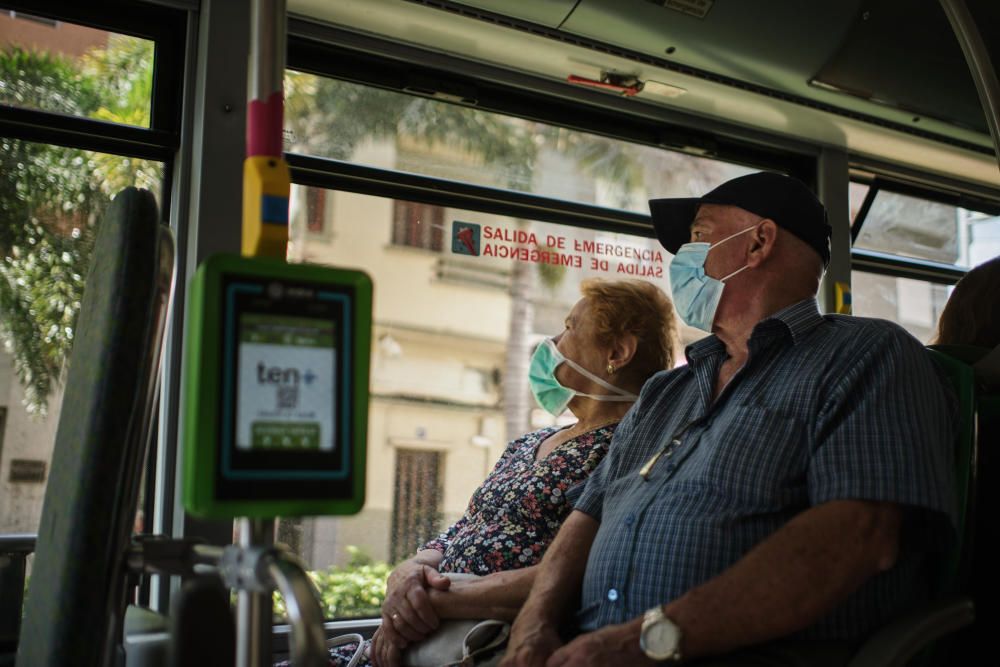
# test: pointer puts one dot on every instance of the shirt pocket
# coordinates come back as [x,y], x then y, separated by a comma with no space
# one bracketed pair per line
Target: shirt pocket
[755,455]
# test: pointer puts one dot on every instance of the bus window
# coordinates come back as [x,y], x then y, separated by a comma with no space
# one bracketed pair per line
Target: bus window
[71,69]
[916,305]
[904,226]
[51,199]
[856,193]
[330,118]
[912,227]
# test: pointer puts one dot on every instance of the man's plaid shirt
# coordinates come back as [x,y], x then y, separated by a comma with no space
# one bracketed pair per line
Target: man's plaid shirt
[827,407]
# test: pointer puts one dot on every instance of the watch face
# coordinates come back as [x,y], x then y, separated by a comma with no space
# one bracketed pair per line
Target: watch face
[660,639]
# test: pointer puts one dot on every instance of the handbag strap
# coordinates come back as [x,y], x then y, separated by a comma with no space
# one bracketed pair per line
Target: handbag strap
[469,654]
[351,638]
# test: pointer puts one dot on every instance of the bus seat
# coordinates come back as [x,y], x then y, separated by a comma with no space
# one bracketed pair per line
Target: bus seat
[952,607]
[77,593]
[146,637]
[203,633]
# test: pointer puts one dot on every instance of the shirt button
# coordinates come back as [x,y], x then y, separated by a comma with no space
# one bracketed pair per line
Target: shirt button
[629,519]
[613,594]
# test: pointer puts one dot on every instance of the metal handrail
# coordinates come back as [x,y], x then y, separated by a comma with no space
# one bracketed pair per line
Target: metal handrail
[977,56]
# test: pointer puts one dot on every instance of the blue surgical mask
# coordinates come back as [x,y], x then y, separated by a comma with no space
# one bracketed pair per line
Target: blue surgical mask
[697,295]
[554,397]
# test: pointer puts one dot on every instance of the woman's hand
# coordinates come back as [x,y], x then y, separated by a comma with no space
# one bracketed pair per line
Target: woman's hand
[383,653]
[407,612]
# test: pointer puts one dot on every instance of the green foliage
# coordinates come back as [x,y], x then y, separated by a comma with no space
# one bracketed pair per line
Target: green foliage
[356,590]
[125,70]
[51,198]
[551,275]
[42,81]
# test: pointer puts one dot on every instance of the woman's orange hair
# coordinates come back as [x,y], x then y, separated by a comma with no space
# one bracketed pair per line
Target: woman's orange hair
[640,308]
[972,314]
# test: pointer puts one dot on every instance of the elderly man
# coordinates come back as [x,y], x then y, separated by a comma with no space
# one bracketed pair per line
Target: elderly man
[775,497]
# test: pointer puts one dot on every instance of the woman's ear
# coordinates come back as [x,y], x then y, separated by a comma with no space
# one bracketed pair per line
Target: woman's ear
[623,350]
[762,242]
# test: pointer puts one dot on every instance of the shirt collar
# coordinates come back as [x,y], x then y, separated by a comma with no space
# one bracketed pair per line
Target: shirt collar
[798,320]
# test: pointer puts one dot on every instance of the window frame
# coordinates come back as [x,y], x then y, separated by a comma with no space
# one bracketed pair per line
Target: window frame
[165,27]
[922,186]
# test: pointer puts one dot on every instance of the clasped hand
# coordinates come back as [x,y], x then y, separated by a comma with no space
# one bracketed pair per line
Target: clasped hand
[407,613]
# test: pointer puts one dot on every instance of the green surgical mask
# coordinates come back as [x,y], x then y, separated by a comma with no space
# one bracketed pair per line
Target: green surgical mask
[552,396]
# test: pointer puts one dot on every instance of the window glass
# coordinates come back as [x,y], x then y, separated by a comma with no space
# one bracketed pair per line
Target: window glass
[72,69]
[913,227]
[462,298]
[915,305]
[330,118]
[51,201]
[856,193]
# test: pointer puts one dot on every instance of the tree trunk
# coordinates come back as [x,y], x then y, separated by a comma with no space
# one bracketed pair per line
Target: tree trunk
[517,399]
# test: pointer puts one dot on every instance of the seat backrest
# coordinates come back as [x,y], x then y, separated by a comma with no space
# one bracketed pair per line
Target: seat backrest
[954,575]
[984,576]
[76,595]
[925,631]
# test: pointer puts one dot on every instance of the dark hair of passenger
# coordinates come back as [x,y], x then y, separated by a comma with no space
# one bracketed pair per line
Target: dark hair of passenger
[972,314]
[640,308]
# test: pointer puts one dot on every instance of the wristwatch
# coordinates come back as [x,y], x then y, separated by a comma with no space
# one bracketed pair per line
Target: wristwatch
[660,638]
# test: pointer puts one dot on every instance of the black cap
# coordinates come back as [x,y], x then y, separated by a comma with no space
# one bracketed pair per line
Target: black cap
[781,198]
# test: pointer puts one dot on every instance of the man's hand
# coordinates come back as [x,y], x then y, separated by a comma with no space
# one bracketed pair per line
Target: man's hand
[613,644]
[407,613]
[384,653]
[532,646]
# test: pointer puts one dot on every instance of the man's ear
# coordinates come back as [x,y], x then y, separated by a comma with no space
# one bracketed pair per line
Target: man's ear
[762,240]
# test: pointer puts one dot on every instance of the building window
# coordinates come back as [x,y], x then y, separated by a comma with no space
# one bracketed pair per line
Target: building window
[418,225]
[416,511]
[315,209]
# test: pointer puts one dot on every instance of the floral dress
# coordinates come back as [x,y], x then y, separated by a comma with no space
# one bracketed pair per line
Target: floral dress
[516,512]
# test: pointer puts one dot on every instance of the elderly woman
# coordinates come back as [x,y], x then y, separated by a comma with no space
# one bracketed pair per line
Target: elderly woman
[972,318]
[617,336]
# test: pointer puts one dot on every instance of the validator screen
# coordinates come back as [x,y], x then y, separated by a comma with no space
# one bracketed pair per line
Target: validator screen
[286,383]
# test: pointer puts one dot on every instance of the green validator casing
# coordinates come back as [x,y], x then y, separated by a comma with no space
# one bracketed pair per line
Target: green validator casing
[276,370]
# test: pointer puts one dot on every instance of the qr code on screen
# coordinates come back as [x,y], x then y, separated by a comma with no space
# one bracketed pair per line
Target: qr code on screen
[288,397]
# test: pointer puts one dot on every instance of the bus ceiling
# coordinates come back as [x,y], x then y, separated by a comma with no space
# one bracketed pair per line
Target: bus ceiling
[879,78]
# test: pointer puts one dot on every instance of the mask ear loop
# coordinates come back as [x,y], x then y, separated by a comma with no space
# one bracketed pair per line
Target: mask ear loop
[722,280]
[619,394]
